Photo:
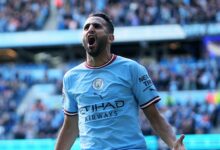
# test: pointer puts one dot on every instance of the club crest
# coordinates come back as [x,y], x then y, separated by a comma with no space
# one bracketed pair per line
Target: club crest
[98,84]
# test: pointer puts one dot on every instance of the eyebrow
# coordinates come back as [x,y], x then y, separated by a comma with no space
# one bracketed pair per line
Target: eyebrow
[94,23]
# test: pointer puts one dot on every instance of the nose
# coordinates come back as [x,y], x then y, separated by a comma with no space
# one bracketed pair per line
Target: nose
[91,28]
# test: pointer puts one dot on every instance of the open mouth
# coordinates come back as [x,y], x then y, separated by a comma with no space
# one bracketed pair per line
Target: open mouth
[91,40]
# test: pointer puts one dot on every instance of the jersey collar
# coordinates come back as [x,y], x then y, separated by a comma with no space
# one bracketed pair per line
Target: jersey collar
[106,64]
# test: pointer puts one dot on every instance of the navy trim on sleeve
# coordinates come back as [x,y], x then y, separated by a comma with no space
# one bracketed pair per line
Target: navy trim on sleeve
[153,100]
[70,113]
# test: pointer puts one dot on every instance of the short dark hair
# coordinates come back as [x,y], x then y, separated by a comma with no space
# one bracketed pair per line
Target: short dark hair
[106,18]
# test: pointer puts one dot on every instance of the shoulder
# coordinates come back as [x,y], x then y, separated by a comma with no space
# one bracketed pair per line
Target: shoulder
[127,61]
[132,65]
[71,76]
[74,71]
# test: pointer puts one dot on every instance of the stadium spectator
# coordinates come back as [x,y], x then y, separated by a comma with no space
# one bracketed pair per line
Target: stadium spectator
[11,90]
[142,12]
[32,15]
[201,74]
[197,118]
[22,15]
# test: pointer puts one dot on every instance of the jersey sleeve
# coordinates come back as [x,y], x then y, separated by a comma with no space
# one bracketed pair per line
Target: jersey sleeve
[69,104]
[143,87]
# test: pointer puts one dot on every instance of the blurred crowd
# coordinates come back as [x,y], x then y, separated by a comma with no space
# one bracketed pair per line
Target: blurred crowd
[11,93]
[189,118]
[40,121]
[187,73]
[198,118]
[23,15]
[72,13]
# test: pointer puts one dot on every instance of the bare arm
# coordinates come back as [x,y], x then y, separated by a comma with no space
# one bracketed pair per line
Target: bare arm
[68,133]
[160,125]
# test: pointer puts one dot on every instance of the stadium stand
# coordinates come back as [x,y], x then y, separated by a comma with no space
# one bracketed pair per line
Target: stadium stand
[201,74]
[71,14]
[31,122]
[23,15]
[142,12]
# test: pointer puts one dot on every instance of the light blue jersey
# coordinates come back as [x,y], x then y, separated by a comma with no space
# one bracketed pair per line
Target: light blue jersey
[107,100]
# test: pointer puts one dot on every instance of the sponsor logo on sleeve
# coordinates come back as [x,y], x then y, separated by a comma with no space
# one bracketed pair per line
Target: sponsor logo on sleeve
[147,82]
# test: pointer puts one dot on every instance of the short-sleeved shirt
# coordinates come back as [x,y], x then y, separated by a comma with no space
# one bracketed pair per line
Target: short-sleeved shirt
[107,101]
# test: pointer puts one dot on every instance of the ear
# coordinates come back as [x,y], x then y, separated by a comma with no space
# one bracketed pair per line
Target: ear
[111,38]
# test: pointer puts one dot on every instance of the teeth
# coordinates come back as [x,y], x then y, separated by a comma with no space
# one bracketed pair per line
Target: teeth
[90,35]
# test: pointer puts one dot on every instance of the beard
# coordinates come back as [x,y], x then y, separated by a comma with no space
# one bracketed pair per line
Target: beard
[100,45]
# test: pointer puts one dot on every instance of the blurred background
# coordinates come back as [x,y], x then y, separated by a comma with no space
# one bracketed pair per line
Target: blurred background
[178,41]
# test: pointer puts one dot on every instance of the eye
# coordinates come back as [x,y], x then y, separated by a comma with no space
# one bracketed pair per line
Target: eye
[97,26]
[86,27]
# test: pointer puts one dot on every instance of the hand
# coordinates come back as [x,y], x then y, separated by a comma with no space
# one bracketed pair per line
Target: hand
[178,145]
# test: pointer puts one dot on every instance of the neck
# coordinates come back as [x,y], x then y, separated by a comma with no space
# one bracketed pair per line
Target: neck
[98,60]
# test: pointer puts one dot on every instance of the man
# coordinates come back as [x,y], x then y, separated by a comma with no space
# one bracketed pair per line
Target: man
[102,97]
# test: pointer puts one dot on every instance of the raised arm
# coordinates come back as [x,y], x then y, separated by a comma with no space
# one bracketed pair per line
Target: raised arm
[162,128]
[68,133]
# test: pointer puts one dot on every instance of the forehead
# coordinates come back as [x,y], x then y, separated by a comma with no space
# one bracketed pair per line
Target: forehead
[95,19]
